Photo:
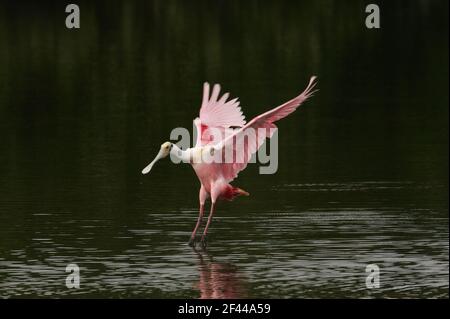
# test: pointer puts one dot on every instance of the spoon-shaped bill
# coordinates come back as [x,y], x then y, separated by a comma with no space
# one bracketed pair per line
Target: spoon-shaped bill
[149,166]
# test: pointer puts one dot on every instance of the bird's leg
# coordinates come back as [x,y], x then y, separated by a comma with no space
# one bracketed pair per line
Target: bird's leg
[203,240]
[199,221]
[202,196]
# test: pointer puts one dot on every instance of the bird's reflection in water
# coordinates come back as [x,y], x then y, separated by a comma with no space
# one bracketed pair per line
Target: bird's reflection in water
[218,280]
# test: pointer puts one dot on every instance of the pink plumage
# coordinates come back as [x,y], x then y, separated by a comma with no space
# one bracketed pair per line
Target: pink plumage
[222,131]
[221,115]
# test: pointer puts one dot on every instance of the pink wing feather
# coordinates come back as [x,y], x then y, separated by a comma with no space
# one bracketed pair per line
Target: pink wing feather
[218,113]
[243,145]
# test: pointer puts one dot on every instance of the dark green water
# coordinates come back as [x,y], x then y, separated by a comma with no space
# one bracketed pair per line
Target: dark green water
[363,166]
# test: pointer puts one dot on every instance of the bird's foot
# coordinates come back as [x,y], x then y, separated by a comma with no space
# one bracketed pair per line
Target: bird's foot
[203,242]
[192,241]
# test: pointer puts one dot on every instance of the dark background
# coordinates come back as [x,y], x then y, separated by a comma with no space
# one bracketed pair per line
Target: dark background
[363,165]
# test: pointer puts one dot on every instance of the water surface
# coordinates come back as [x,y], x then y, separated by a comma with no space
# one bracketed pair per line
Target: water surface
[363,166]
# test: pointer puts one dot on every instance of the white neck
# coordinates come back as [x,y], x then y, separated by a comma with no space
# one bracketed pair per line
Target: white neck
[183,156]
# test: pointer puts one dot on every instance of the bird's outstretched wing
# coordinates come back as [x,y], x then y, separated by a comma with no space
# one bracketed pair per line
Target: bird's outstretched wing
[217,112]
[246,141]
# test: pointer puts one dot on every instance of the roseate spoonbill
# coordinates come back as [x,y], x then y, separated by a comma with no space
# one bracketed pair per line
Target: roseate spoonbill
[226,117]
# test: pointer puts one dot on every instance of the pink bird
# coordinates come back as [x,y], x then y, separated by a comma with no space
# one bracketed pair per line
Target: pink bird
[221,130]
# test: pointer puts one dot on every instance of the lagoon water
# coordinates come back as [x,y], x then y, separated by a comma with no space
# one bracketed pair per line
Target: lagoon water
[363,165]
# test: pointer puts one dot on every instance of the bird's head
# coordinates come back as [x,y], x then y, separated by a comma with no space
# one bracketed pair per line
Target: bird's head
[163,152]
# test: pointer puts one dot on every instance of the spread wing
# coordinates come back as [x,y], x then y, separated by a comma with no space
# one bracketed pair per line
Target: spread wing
[246,141]
[217,112]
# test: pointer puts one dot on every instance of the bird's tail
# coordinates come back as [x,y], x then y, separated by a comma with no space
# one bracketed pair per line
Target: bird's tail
[233,192]
[240,192]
